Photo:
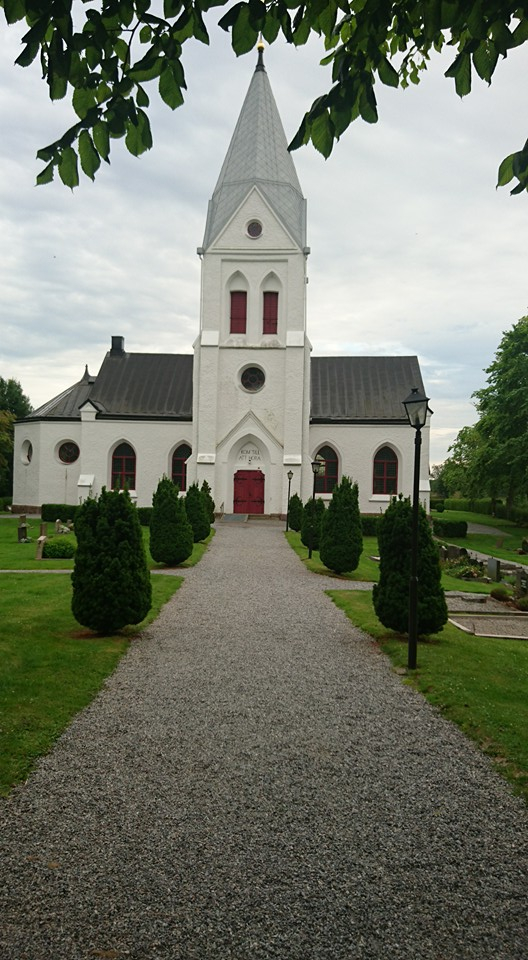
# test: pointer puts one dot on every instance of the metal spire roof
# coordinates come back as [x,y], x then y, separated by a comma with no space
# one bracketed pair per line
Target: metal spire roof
[258,156]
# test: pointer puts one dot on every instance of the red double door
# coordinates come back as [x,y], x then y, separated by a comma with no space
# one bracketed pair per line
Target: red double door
[249,491]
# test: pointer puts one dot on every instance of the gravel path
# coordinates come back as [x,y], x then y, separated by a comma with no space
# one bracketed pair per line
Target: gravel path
[254,782]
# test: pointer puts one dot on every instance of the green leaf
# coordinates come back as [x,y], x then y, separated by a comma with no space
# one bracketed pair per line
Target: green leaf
[142,98]
[520,34]
[387,73]
[171,8]
[485,60]
[14,10]
[46,175]
[68,171]
[101,139]
[148,68]
[505,173]
[138,136]
[83,100]
[460,71]
[243,35]
[57,87]
[90,159]
[121,50]
[169,90]
[322,134]
[28,54]
[145,34]
[367,105]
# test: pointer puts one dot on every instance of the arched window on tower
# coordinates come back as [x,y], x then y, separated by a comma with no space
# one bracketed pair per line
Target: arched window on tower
[124,467]
[385,479]
[325,483]
[270,311]
[179,465]
[238,314]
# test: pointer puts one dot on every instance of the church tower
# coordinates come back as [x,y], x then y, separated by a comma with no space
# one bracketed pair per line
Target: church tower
[252,356]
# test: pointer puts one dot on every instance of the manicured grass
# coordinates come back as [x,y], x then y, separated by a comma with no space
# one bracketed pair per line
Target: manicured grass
[502,545]
[21,556]
[51,667]
[480,684]
[368,570]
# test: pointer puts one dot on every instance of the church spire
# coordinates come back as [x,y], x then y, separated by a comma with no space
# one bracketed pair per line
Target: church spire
[258,157]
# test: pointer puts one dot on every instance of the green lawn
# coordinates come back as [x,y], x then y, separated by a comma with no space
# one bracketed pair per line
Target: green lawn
[51,667]
[21,556]
[480,684]
[503,545]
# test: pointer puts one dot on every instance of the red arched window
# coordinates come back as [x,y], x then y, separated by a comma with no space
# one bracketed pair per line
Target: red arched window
[238,311]
[179,466]
[270,312]
[124,467]
[325,483]
[385,478]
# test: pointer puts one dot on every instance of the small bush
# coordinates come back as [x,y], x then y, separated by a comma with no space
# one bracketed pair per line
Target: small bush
[171,535]
[313,513]
[295,512]
[341,540]
[58,511]
[59,548]
[500,593]
[522,603]
[197,515]
[205,490]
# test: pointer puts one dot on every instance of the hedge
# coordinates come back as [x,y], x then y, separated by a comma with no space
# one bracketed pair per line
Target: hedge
[59,548]
[449,528]
[50,512]
[494,508]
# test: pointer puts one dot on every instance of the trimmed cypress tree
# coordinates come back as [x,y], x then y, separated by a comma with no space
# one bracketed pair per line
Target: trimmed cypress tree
[111,580]
[196,513]
[313,513]
[391,594]
[295,512]
[171,536]
[205,490]
[341,538]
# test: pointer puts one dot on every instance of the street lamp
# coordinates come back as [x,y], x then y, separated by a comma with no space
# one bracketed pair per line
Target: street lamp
[416,407]
[290,477]
[318,468]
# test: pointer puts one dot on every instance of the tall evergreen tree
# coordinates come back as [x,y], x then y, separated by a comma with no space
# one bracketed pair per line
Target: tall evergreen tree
[313,513]
[341,537]
[295,512]
[205,490]
[111,580]
[196,513]
[391,594]
[171,535]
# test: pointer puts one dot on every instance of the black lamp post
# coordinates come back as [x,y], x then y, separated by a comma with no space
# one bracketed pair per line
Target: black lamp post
[290,477]
[318,467]
[416,407]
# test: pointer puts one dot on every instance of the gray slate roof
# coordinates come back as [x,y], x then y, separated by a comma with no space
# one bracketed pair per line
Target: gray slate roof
[159,386]
[258,156]
[362,389]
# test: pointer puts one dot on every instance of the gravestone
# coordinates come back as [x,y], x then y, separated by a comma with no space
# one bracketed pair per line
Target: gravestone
[521,583]
[22,530]
[40,547]
[43,529]
[494,569]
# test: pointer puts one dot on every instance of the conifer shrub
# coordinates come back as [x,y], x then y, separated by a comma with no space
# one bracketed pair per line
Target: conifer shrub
[341,539]
[391,594]
[171,535]
[313,513]
[196,513]
[205,490]
[295,512]
[111,581]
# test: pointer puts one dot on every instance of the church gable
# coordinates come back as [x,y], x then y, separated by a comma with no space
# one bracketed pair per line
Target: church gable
[255,227]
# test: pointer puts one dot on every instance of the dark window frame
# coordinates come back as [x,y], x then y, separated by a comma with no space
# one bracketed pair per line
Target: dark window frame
[238,311]
[385,472]
[330,478]
[270,312]
[179,458]
[124,463]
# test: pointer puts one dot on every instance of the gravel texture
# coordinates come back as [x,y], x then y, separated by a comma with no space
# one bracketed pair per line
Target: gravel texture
[255,782]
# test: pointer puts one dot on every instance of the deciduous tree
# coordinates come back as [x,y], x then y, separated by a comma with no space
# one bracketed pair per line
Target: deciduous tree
[107,54]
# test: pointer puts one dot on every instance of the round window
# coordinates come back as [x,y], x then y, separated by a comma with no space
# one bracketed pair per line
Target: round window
[68,452]
[253,379]
[254,229]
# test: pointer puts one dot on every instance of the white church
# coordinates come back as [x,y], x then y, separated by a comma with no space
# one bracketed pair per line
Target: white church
[250,409]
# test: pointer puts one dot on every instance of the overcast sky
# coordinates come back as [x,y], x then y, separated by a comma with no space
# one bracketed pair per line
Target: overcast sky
[413,249]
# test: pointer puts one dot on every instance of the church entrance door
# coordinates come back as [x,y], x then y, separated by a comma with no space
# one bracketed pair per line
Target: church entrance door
[249,492]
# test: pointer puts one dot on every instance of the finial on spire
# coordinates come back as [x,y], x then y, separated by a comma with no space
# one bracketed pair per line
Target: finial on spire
[260,48]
